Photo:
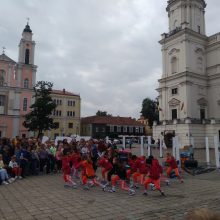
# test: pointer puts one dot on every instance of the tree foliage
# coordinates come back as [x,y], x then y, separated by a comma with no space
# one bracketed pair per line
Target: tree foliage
[39,118]
[150,110]
[102,113]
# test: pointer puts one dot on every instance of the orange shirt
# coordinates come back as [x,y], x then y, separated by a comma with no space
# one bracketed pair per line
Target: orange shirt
[88,168]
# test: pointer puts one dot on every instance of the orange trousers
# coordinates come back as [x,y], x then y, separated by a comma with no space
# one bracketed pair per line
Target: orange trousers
[155,182]
[122,183]
[169,170]
[136,175]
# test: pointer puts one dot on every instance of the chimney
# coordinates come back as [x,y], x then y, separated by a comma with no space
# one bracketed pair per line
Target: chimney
[64,91]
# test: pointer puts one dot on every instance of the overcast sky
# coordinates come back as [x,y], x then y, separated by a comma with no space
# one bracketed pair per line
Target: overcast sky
[105,50]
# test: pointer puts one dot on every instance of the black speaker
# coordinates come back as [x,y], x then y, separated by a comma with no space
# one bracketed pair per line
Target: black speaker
[191,163]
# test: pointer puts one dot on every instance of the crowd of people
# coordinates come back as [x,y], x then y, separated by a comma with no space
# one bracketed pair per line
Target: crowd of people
[79,162]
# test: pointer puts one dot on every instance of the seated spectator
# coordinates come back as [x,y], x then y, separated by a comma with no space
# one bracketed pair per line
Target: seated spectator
[16,170]
[3,173]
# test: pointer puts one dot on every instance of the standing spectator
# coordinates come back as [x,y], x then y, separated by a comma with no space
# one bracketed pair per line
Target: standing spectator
[43,157]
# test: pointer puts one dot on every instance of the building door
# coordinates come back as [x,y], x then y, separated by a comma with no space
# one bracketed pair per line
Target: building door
[174,114]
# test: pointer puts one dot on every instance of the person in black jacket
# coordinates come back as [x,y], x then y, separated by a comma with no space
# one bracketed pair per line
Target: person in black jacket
[118,173]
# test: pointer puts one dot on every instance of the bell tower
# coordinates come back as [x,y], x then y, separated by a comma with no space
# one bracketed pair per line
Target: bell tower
[26,74]
[187,13]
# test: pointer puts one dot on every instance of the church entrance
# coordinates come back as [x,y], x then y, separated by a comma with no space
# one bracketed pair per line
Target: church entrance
[168,138]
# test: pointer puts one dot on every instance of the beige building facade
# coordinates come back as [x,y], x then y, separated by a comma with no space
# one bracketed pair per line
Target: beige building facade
[66,115]
[189,90]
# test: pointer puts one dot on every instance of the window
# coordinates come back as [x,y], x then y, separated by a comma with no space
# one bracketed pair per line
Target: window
[174,65]
[96,129]
[131,129]
[60,102]
[199,29]
[174,114]
[2,77]
[118,128]
[111,128]
[73,114]
[2,100]
[174,91]
[125,129]
[71,103]
[27,56]
[26,83]
[141,130]
[137,129]
[25,104]
[202,114]
[70,125]
[60,113]
[57,125]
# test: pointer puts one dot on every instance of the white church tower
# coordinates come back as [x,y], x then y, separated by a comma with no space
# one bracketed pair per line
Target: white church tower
[189,90]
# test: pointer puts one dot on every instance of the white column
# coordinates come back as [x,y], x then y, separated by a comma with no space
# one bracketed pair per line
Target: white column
[177,149]
[161,145]
[148,145]
[207,150]
[174,146]
[123,138]
[216,143]
[142,145]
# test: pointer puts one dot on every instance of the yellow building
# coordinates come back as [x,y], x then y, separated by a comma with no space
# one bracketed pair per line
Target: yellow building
[66,115]
[144,121]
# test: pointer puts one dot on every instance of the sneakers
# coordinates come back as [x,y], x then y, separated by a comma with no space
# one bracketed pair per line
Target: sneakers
[167,182]
[162,193]
[112,189]
[11,180]
[131,192]
[20,177]
[145,194]
[16,177]
[5,183]
[86,187]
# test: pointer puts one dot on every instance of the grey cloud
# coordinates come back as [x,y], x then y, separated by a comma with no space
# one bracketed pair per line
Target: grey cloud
[106,50]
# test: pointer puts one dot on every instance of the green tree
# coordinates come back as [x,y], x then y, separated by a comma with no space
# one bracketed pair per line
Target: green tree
[101,113]
[39,118]
[150,110]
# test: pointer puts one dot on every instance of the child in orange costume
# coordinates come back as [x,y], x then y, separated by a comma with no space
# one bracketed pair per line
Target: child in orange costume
[133,166]
[141,172]
[88,173]
[173,166]
[154,176]
[67,171]
[106,166]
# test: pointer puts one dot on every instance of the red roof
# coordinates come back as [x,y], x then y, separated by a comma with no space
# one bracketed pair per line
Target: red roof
[64,92]
[111,120]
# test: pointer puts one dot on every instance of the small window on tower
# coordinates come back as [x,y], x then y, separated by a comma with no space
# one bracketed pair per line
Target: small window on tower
[26,83]
[174,91]
[27,56]
[199,29]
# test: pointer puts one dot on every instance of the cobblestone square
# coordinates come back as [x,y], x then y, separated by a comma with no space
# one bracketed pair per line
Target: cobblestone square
[44,197]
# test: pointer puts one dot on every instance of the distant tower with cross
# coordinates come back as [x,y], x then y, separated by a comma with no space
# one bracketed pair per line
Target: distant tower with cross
[189,89]
[16,86]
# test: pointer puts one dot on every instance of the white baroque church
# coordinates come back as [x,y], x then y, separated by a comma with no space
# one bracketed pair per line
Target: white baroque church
[189,89]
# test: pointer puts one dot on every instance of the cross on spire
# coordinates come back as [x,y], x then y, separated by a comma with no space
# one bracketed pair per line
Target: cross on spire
[3,50]
[28,19]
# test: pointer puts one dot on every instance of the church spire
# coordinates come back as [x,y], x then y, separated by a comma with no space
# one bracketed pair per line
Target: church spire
[187,14]
[27,27]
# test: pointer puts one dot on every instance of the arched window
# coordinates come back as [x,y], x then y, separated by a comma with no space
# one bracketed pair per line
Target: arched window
[174,65]
[2,77]
[27,56]
[26,83]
